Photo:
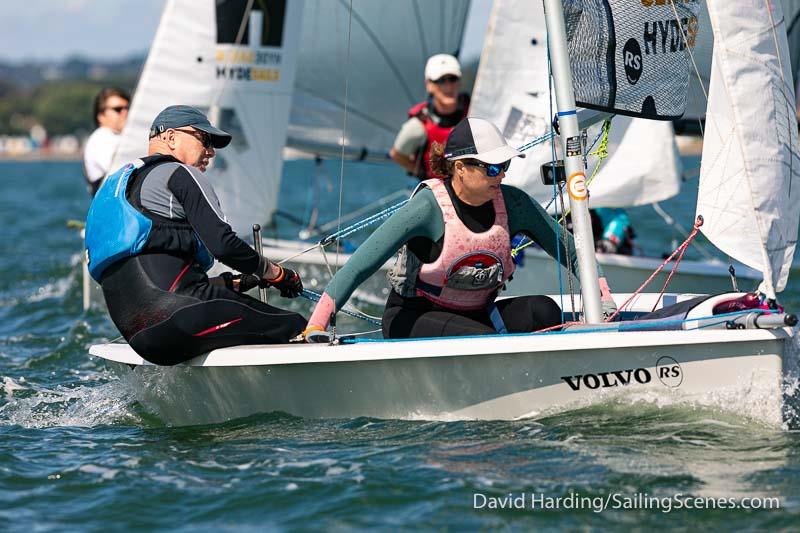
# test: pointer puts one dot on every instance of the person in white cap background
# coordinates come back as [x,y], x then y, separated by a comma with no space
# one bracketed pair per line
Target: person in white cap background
[431,120]
[455,253]
[154,229]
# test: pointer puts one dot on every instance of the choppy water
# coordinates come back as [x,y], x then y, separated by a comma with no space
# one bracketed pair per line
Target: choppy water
[78,452]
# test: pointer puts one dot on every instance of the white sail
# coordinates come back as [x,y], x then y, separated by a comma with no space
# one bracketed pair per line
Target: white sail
[511,90]
[749,192]
[246,87]
[389,43]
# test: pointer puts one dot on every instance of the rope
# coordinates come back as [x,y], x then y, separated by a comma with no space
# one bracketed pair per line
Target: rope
[361,224]
[315,297]
[341,165]
[682,250]
[601,153]
[721,319]
[553,157]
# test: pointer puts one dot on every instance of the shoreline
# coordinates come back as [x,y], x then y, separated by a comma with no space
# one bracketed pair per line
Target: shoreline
[39,156]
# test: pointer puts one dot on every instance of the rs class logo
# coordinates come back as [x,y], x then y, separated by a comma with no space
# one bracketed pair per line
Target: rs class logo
[632,57]
[668,372]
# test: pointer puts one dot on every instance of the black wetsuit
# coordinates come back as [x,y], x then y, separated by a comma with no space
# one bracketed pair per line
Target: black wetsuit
[161,300]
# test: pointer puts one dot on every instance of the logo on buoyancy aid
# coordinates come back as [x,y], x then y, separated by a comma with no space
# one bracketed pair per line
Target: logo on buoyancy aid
[632,57]
[668,371]
[474,271]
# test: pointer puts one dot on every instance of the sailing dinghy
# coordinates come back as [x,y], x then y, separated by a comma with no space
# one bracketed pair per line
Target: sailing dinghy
[708,352]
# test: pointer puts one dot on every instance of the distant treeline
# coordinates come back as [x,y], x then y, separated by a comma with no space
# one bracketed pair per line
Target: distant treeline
[58,96]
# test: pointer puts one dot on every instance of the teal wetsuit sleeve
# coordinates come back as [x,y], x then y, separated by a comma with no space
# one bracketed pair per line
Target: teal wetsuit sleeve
[420,217]
[528,217]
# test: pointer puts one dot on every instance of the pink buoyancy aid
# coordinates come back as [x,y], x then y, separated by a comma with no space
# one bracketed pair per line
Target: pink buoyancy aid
[472,266]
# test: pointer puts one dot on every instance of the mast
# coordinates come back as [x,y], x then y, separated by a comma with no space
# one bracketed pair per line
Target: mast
[573,161]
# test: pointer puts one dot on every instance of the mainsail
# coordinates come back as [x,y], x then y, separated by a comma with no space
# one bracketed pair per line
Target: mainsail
[235,59]
[749,191]
[512,90]
[380,55]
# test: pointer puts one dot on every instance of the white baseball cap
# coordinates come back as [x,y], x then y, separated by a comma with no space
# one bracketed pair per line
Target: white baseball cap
[477,138]
[442,65]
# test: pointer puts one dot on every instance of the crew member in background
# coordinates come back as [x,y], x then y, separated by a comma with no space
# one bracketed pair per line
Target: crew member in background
[110,114]
[150,248]
[431,120]
[612,230]
[613,233]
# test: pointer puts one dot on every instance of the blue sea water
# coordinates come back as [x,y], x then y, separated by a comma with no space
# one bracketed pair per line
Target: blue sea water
[77,452]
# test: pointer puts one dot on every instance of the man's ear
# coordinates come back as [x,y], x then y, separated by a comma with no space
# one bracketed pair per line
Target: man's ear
[169,138]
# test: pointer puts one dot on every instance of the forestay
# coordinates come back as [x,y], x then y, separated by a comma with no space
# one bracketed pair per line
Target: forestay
[240,67]
[512,91]
[388,45]
[749,191]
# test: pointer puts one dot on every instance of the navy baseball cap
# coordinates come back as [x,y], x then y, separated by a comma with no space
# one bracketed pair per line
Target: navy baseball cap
[179,116]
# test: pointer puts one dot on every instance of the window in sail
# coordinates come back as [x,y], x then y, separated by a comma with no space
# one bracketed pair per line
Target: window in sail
[265,22]
[229,121]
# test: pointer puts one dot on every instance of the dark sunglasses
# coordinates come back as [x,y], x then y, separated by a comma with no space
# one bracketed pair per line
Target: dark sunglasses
[118,108]
[447,79]
[492,170]
[201,136]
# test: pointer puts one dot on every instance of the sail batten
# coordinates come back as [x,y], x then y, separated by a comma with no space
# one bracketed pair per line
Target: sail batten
[747,193]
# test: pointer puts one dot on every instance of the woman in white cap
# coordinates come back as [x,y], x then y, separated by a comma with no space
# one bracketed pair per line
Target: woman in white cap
[454,237]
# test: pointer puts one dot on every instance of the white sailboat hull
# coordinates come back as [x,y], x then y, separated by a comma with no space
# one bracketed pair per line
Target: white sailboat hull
[490,378]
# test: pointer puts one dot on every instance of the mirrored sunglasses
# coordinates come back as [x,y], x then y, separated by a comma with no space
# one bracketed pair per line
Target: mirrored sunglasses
[492,170]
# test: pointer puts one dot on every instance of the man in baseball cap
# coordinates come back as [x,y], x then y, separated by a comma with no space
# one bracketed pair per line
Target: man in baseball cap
[150,247]
[431,120]
[172,129]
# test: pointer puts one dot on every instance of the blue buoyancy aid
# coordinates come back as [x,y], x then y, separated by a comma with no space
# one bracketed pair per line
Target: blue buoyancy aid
[116,230]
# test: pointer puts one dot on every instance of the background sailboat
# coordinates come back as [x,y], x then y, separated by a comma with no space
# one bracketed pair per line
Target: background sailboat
[244,62]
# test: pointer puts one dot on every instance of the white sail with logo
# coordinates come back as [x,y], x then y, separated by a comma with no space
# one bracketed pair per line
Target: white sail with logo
[235,59]
[749,190]
[388,43]
[250,88]
[512,91]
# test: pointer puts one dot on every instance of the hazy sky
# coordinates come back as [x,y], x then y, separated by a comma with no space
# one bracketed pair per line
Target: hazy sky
[55,29]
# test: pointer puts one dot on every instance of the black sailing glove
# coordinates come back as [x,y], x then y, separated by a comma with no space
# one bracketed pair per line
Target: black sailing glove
[288,282]
[239,282]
